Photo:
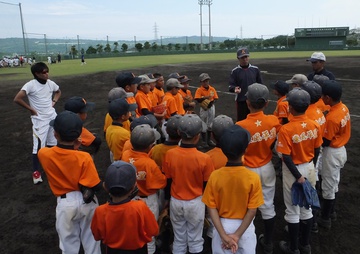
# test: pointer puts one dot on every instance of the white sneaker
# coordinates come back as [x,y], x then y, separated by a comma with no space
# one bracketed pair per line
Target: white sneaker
[37,177]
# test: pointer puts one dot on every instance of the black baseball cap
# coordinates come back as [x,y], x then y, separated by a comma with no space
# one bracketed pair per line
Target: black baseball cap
[68,125]
[241,52]
[314,89]
[119,107]
[126,79]
[333,89]
[176,75]
[281,86]
[120,175]
[78,104]
[234,141]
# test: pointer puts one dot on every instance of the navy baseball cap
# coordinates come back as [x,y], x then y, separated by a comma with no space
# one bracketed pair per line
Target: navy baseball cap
[142,120]
[281,86]
[120,175]
[314,89]
[241,52]
[119,107]
[298,98]
[333,89]
[257,93]
[78,104]
[68,125]
[126,79]
[234,141]
[320,79]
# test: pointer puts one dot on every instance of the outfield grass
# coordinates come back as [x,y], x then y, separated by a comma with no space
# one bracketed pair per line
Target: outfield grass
[74,67]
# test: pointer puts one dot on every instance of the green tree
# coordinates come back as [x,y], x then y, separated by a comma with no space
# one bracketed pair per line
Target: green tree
[222,46]
[147,45]
[177,46]
[73,51]
[139,46]
[192,46]
[230,44]
[116,45]
[99,48]
[184,47]
[107,48]
[124,47]
[91,50]
[154,46]
[170,46]
[198,47]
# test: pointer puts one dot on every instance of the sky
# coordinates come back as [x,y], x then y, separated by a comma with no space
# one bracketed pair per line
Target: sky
[118,20]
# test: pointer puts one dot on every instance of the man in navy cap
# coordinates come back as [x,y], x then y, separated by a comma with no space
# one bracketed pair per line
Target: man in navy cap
[241,77]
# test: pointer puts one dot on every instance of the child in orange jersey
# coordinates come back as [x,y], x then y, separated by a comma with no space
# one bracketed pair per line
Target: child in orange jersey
[129,82]
[158,90]
[150,179]
[299,143]
[142,97]
[187,171]
[206,91]
[280,89]
[123,225]
[263,130]
[320,79]
[220,123]
[314,113]
[189,103]
[116,134]
[336,134]
[157,153]
[89,142]
[232,196]
[68,171]
[153,98]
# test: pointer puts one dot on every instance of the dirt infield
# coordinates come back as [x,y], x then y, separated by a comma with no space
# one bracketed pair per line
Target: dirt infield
[28,212]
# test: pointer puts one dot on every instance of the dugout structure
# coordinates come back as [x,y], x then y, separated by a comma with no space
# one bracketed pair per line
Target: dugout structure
[321,38]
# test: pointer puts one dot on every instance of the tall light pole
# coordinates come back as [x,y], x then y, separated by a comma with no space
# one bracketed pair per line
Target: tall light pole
[208,3]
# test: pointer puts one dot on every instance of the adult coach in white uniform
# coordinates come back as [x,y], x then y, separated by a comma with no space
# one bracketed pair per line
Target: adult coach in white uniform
[42,94]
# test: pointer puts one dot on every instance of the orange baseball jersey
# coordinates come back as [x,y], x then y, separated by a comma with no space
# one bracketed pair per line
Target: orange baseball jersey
[314,113]
[186,93]
[159,94]
[179,104]
[189,169]
[109,120]
[338,126]
[170,103]
[143,101]
[86,137]
[201,91]
[116,136]
[233,203]
[149,176]
[138,225]
[157,153]
[66,169]
[153,98]
[299,138]
[321,105]
[127,145]
[132,100]
[282,109]
[263,130]
[218,157]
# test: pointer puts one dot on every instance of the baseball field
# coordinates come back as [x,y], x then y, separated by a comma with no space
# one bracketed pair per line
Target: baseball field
[28,211]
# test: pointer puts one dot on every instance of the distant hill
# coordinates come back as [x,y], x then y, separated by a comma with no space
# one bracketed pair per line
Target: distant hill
[11,46]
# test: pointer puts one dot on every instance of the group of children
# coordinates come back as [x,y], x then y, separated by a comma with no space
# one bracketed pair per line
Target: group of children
[156,165]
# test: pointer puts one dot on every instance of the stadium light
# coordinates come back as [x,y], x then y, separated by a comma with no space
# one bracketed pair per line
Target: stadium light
[208,3]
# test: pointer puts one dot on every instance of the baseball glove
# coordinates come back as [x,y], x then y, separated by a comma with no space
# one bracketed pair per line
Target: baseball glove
[159,109]
[187,99]
[88,194]
[204,104]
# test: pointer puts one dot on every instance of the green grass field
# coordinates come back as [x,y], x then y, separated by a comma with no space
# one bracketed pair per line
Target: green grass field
[73,67]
